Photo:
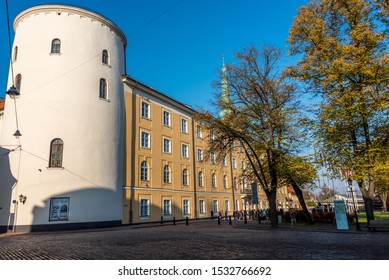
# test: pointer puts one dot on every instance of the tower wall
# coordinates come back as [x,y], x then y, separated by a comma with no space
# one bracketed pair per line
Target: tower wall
[59,99]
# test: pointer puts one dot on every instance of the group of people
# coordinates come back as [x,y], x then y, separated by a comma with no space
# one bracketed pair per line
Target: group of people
[262,214]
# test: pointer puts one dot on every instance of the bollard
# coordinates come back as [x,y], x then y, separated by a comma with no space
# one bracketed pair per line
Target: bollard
[218,220]
[174,220]
[187,221]
[161,220]
[229,217]
[245,218]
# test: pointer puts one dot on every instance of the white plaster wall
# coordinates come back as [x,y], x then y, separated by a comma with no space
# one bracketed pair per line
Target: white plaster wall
[60,99]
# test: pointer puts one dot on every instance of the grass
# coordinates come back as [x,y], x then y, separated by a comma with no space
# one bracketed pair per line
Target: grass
[377,215]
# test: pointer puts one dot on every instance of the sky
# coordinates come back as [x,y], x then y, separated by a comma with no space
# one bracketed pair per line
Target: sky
[176,46]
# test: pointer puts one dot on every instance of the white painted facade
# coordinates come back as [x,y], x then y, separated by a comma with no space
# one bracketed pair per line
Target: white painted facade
[59,98]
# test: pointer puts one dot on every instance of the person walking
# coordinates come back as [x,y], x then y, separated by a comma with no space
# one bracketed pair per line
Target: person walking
[292,213]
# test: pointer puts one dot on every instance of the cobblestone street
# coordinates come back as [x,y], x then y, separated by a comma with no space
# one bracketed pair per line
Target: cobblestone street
[200,240]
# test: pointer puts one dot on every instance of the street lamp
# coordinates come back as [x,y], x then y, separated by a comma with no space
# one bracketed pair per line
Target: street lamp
[350,185]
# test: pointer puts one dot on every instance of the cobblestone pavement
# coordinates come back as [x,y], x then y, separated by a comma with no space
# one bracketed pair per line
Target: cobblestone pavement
[199,240]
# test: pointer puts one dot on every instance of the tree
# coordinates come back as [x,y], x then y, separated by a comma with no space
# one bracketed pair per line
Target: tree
[345,60]
[260,111]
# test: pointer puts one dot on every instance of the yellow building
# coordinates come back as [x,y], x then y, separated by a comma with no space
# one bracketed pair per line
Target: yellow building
[167,173]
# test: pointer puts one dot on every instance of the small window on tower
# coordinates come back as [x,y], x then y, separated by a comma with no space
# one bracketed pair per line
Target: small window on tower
[105,57]
[56,46]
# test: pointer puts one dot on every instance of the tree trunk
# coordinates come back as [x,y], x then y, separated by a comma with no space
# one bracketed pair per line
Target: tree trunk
[368,196]
[271,196]
[300,197]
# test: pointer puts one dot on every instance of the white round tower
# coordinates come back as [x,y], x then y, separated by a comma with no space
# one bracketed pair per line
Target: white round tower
[65,170]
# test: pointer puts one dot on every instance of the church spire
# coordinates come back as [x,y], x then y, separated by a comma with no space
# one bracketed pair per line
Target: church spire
[225,97]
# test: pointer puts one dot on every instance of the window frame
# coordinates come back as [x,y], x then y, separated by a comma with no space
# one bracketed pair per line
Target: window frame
[167,148]
[145,142]
[167,207]
[166,118]
[202,205]
[213,180]
[145,110]
[185,177]
[103,89]
[58,153]
[56,46]
[105,57]
[166,174]
[142,207]
[144,171]
[201,179]
[184,150]
[186,206]
[184,125]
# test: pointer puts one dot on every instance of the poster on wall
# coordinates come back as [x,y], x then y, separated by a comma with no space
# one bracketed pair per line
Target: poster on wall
[59,209]
[340,214]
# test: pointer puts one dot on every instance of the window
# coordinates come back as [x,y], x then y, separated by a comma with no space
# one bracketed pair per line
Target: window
[227,206]
[18,82]
[201,207]
[213,158]
[16,53]
[144,207]
[166,174]
[167,146]
[199,133]
[200,155]
[185,207]
[215,206]
[184,151]
[242,165]
[56,153]
[225,182]
[103,89]
[185,177]
[211,136]
[145,139]
[235,183]
[213,180]
[144,171]
[224,161]
[56,46]
[233,163]
[167,207]
[166,118]
[201,179]
[184,125]
[145,110]
[104,57]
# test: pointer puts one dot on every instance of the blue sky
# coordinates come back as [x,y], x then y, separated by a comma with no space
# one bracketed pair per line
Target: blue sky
[176,46]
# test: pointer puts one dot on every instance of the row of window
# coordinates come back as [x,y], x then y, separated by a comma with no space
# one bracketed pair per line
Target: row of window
[56,49]
[145,176]
[144,208]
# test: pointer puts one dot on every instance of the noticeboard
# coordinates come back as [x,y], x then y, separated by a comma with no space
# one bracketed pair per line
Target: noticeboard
[340,215]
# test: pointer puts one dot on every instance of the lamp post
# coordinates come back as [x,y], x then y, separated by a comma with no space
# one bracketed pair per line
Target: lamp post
[350,185]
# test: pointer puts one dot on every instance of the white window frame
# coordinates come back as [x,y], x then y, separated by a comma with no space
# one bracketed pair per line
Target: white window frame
[186,206]
[214,180]
[234,163]
[144,171]
[184,125]
[144,209]
[167,208]
[166,118]
[201,179]
[166,174]
[200,154]
[145,144]
[202,210]
[225,181]
[212,158]
[145,111]
[184,150]
[215,206]
[185,177]
[167,145]
[199,132]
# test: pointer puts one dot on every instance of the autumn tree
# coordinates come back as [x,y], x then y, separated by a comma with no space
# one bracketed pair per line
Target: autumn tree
[344,50]
[259,110]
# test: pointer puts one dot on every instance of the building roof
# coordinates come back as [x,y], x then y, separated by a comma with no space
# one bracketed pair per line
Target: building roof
[2,104]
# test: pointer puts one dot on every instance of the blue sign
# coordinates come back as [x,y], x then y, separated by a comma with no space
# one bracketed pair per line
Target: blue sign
[340,214]
[254,191]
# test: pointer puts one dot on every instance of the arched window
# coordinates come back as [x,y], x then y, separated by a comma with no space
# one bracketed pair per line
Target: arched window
[144,171]
[201,179]
[104,57]
[166,174]
[56,46]
[235,183]
[18,82]
[56,153]
[16,53]
[213,180]
[103,89]
[185,177]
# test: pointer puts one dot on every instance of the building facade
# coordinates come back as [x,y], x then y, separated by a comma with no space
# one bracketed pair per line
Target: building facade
[97,147]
